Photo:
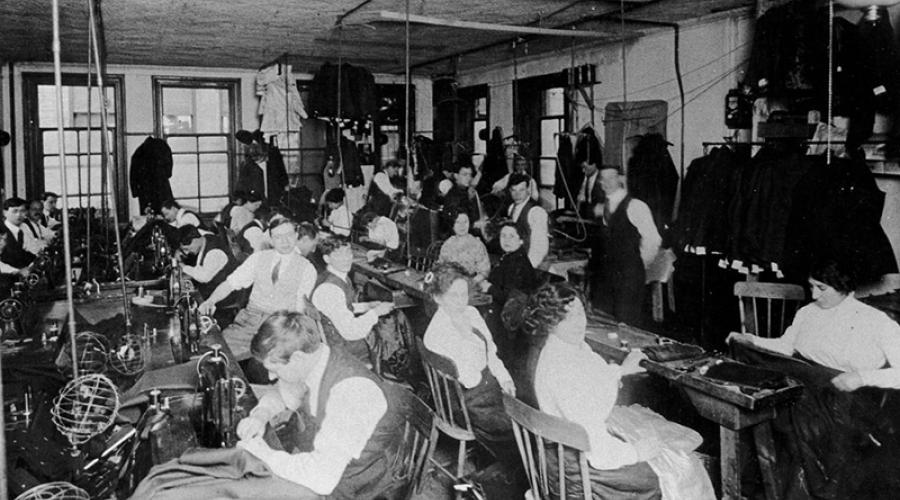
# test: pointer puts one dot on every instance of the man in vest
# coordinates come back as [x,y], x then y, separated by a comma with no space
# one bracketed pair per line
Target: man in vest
[334,297]
[178,216]
[355,426]
[50,215]
[14,256]
[382,192]
[251,237]
[37,236]
[214,263]
[281,278]
[528,214]
[628,243]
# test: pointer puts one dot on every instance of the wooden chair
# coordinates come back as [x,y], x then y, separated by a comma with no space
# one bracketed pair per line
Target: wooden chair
[417,446]
[449,404]
[767,308]
[539,434]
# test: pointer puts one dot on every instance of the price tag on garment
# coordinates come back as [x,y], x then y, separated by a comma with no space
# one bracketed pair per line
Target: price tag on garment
[737,265]
[701,250]
[879,90]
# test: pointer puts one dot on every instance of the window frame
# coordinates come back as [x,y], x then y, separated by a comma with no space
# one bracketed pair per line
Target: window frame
[233,86]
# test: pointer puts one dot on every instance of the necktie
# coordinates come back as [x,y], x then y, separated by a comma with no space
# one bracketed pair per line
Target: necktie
[275,270]
[21,237]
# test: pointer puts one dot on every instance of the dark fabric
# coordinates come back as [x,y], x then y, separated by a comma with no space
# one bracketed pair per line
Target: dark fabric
[522,220]
[348,157]
[617,268]
[836,212]
[847,443]
[250,176]
[569,174]
[493,168]
[151,168]
[652,178]
[276,173]
[490,424]
[13,253]
[214,474]
[206,289]
[371,473]
[512,272]
[357,99]
[672,352]
[634,481]
[458,200]
[378,201]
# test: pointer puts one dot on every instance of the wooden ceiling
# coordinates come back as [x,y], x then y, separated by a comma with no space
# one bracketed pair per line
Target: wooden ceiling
[251,33]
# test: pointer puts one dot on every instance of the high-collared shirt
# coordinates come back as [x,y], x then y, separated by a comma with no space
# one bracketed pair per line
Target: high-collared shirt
[385,233]
[354,407]
[244,275]
[573,382]
[851,337]
[330,301]
[469,351]
[214,261]
[640,217]
[539,240]
[34,239]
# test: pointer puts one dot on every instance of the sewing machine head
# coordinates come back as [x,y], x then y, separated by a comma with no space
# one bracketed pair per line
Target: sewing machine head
[221,394]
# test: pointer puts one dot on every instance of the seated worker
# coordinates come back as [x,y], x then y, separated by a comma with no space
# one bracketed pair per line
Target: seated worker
[840,332]
[520,166]
[570,381]
[245,213]
[225,216]
[178,216]
[461,195]
[281,278]
[356,430]
[458,332]
[334,297]
[214,263]
[251,237]
[513,273]
[466,250]
[338,219]
[382,192]
[627,245]
[307,245]
[14,256]
[37,236]
[382,231]
[529,216]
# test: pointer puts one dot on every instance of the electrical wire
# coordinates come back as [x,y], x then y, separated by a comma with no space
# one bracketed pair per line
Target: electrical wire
[830,81]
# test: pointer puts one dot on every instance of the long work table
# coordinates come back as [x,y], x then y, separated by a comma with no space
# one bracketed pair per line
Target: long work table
[733,408]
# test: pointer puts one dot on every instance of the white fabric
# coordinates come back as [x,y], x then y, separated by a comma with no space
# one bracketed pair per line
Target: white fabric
[353,409]
[574,383]
[538,225]
[465,349]
[213,262]
[385,233]
[240,217]
[280,106]
[339,218]
[587,185]
[640,217]
[851,337]
[330,301]
[257,238]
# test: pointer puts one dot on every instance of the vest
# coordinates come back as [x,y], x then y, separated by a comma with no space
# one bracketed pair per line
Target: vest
[347,288]
[214,243]
[522,220]
[622,242]
[242,241]
[34,231]
[13,253]
[358,348]
[268,297]
[369,475]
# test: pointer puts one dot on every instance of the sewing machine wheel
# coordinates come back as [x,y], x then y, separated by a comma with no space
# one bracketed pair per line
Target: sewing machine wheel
[32,280]
[11,309]
[85,407]
[58,490]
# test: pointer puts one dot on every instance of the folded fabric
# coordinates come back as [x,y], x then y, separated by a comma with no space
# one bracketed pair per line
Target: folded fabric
[746,376]
[672,352]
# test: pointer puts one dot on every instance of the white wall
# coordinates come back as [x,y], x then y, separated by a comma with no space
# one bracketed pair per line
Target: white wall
[138,105]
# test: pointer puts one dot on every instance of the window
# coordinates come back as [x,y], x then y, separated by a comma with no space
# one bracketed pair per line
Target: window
[553,121]
[479,123]
[85,182]
[197,117]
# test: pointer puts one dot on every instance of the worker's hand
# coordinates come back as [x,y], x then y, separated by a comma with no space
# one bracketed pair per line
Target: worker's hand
[251,427]
[255,446]
[206,308]
[383,308]
[632,362]
[509,387]
[485,286]
[848,382]
[648,447]
[739,337]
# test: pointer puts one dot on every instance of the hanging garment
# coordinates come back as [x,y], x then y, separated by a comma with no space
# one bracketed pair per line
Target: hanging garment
[280,105]
[653,179]
[276,173]
[349,155]
[357,100]
[151,168]
[493,168]
[569,173]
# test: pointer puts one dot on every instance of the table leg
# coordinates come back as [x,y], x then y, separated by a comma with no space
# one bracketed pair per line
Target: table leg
[730,456]
[765,453]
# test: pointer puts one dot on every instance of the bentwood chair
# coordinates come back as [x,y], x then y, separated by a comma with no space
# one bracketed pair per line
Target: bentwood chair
[449,405]
[540,437]
[418,441]
[767,308]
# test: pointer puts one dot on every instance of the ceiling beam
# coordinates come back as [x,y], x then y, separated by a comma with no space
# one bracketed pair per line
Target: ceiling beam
[385,15]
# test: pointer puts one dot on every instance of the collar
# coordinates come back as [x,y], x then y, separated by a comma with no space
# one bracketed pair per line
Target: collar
[314,379]
[13,228]
[337,273]
[202,246]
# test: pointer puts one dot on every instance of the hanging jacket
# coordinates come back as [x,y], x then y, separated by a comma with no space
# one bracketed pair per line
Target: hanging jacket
[652,178]
[493,168]
[568,174]
[151,168]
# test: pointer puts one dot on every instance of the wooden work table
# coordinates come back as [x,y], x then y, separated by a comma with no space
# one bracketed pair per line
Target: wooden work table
[727,405]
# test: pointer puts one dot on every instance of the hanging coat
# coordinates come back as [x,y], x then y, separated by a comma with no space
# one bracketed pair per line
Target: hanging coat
[652,178]
[151,168]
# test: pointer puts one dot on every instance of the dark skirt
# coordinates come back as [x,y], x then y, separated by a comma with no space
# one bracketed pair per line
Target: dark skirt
[633,481]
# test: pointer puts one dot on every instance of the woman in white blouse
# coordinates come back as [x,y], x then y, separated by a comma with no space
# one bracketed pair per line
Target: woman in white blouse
[840,332]
[458,332]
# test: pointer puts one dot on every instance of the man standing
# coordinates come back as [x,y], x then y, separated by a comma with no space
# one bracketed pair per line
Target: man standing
[281,278]
[356,425]
[14,255]
[213,265]
[529,215]
[628,243]
[461,195]
[382,192]
[589,157]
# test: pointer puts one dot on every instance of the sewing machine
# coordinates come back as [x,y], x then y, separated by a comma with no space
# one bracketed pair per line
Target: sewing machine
[221,394]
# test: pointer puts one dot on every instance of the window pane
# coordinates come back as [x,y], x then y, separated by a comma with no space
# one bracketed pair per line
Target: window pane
[213,204]
[184,176]
[214,172]
[217,144]
[548,171]
[549,127]
[182,144]
[211,107]
[554,102]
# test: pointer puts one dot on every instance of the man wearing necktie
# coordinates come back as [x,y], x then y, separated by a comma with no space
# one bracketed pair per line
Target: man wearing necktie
[282,280]
[37,236]
[14,257]
[627,244]
[589,157]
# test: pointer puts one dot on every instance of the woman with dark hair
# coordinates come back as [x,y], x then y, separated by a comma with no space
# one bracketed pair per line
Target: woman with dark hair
[839,332]
[570,381]
[458,332]
[464,249]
